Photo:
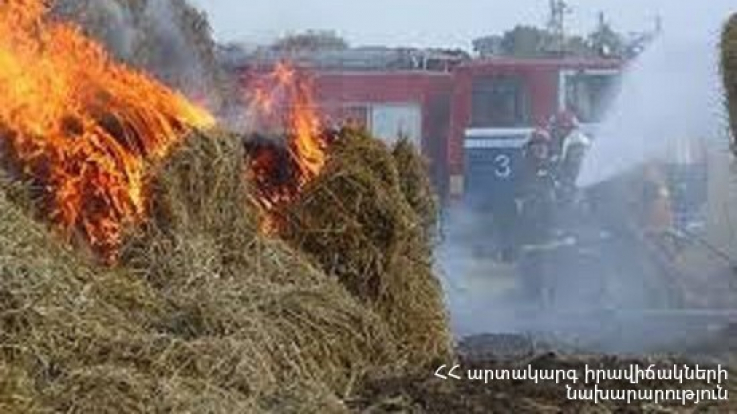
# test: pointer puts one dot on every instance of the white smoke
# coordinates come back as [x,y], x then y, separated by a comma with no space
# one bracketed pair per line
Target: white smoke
[175,55]
[672,92]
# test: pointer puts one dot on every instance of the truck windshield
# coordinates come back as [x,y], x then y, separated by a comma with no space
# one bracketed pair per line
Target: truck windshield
[499,102]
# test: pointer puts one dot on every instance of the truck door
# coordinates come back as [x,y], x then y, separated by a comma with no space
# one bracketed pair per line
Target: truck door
[500,125]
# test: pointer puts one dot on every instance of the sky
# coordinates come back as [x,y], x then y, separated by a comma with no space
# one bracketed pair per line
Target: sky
[432,23]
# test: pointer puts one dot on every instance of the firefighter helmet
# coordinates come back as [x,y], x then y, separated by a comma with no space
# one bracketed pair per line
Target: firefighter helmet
[539,136]
[565,120]
[539,144]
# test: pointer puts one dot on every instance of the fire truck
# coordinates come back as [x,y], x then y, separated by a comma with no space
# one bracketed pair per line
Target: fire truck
[498,102]
[471,118]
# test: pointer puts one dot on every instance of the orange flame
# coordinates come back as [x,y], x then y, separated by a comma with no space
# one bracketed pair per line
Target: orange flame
[307,145]
[81,125]
[284,101]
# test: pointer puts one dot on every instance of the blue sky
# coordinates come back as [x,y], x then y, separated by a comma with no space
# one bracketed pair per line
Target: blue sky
[449,23]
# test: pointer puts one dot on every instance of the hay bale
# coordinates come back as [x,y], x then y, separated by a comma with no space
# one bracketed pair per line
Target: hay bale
[205,314]
[17,394]
[356,223]
[414,180]
[281,316]
[729,72]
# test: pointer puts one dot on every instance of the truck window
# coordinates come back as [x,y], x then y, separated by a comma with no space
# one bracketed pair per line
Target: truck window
[499,102]
[588,96]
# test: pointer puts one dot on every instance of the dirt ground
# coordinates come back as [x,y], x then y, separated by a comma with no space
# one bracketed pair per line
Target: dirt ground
[693,334]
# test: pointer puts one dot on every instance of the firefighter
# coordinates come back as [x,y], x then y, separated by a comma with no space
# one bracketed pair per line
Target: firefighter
[536,202]
[575,147]
[536,192]
[561,126]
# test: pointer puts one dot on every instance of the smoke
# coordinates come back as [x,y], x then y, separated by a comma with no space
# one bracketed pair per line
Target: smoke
[174,55]
[611,290]
[168,38]
[111,22]
[672,92]
[606,290]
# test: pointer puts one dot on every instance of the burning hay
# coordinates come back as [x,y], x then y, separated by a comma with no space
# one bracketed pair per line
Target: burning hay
[206,315]
[729,71]
[358,224]
[281,164]
[81,126]
[201,311]
[203,249]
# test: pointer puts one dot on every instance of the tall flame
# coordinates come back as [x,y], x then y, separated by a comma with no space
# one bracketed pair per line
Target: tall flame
[307,144]
[80,124]
[283,101]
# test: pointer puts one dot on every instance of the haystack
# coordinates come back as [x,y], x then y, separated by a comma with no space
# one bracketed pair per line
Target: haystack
[729,72]
[358,224]
[237,293]
[414,179]
[203,315]
[57,314]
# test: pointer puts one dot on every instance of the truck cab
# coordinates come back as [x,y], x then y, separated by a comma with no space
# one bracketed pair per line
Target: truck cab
[497,105]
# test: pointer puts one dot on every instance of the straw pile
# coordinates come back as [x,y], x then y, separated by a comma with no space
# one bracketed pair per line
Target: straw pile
[729,71]
[414,180]
[57,315]
[203,251]
[205,314]
[369,225]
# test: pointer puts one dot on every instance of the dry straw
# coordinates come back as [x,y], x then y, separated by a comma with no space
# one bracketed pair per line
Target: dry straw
[357,222]
[204,314]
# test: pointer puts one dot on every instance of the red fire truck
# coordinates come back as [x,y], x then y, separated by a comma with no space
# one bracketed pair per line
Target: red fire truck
[472,120]
[497,103]
[415,104]
[469,116]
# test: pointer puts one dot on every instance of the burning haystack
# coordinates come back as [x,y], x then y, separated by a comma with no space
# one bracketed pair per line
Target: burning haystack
[204,313]
[729,71]
[362,211]
[198,306]
[193,324]
[81,126]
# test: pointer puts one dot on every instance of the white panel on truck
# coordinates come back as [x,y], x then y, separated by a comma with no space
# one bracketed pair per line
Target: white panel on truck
[391,121]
